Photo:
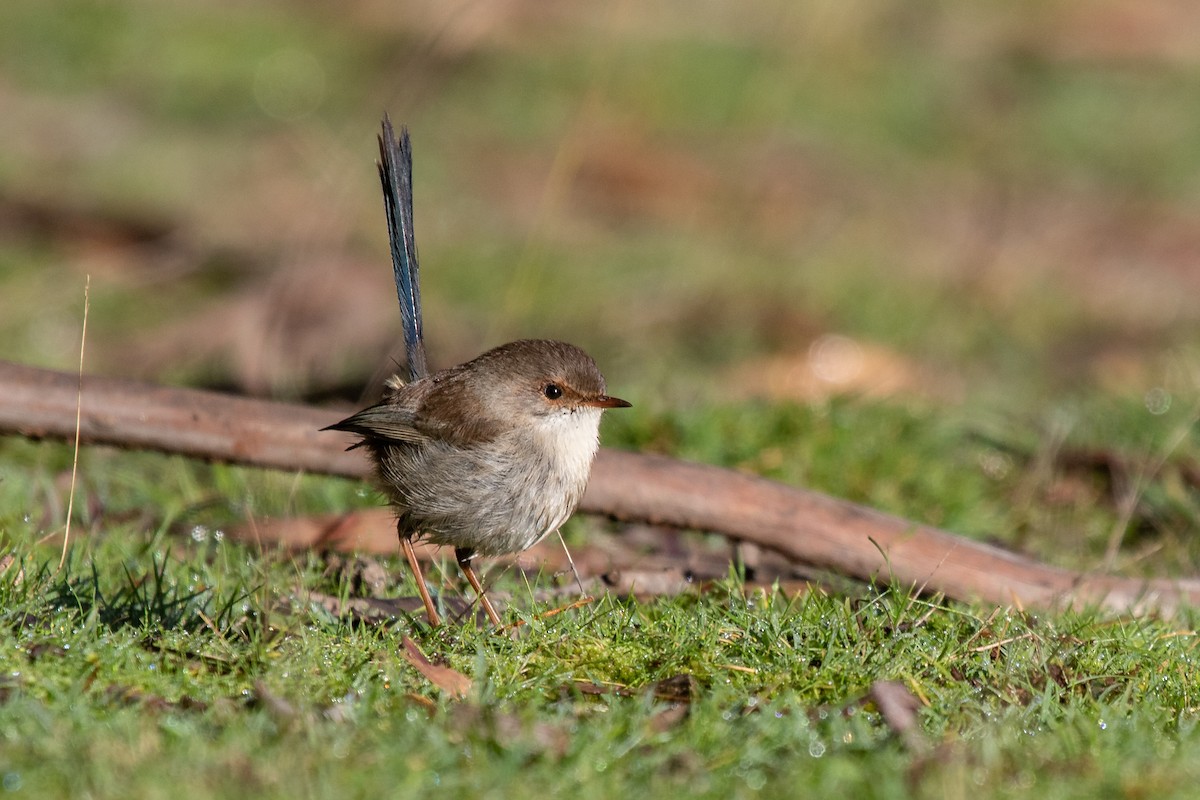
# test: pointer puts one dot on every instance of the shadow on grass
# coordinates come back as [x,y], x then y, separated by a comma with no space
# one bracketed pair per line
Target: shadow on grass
[154,601]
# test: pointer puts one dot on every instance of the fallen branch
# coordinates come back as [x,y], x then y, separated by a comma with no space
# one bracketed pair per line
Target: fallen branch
[806,526]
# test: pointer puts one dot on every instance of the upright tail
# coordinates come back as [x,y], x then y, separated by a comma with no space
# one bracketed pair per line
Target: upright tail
[395,173]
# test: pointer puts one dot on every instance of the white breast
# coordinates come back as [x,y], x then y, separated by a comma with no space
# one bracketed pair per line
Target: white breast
[570,440]
[573,436]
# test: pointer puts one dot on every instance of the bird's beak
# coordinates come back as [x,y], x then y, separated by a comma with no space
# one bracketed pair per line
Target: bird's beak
[604,401]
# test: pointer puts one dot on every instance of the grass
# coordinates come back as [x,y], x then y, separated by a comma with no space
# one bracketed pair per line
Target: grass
[164,655]
[136,681]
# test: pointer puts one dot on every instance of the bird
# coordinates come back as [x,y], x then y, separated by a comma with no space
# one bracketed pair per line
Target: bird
[487,457]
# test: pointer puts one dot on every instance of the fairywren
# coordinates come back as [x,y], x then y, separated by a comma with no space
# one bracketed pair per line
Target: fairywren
[490,456]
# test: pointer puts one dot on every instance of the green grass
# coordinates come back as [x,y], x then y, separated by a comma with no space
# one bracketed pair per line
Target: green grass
[149,676]
[164,656]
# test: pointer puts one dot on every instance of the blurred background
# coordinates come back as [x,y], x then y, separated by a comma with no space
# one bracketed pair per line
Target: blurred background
[984,202]
[985,211]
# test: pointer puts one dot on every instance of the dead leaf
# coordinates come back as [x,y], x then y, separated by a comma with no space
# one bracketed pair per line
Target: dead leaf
[450,681]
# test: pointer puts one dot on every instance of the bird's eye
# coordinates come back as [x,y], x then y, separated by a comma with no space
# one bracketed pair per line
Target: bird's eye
[553,391]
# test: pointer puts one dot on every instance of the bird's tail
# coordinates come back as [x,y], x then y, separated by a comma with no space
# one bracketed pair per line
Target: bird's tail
[395,174]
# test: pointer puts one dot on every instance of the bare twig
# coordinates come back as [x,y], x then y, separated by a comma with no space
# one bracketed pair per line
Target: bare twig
[806,526]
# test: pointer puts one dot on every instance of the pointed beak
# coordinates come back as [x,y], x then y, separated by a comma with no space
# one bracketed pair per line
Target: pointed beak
[604,401]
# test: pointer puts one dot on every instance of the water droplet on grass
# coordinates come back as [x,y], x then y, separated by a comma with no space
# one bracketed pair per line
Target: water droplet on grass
[1157,400]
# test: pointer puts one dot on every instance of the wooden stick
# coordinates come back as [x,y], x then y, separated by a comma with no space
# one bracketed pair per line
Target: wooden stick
[803,525]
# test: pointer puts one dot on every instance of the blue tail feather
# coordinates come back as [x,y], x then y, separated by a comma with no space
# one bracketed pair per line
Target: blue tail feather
[395,174]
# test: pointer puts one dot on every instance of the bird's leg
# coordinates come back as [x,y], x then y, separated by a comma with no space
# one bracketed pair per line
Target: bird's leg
[464,563]
[411,555]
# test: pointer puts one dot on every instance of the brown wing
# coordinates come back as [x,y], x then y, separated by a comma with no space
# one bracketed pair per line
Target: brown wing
[383,421]
[443,407]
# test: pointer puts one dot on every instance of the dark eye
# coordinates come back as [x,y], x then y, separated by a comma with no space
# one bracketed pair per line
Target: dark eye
[552,391]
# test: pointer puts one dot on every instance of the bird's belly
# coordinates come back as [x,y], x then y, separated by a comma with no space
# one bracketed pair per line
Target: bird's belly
[479,502]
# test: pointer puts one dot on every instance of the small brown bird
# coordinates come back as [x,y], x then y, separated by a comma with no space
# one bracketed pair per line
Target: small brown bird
[490,456]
